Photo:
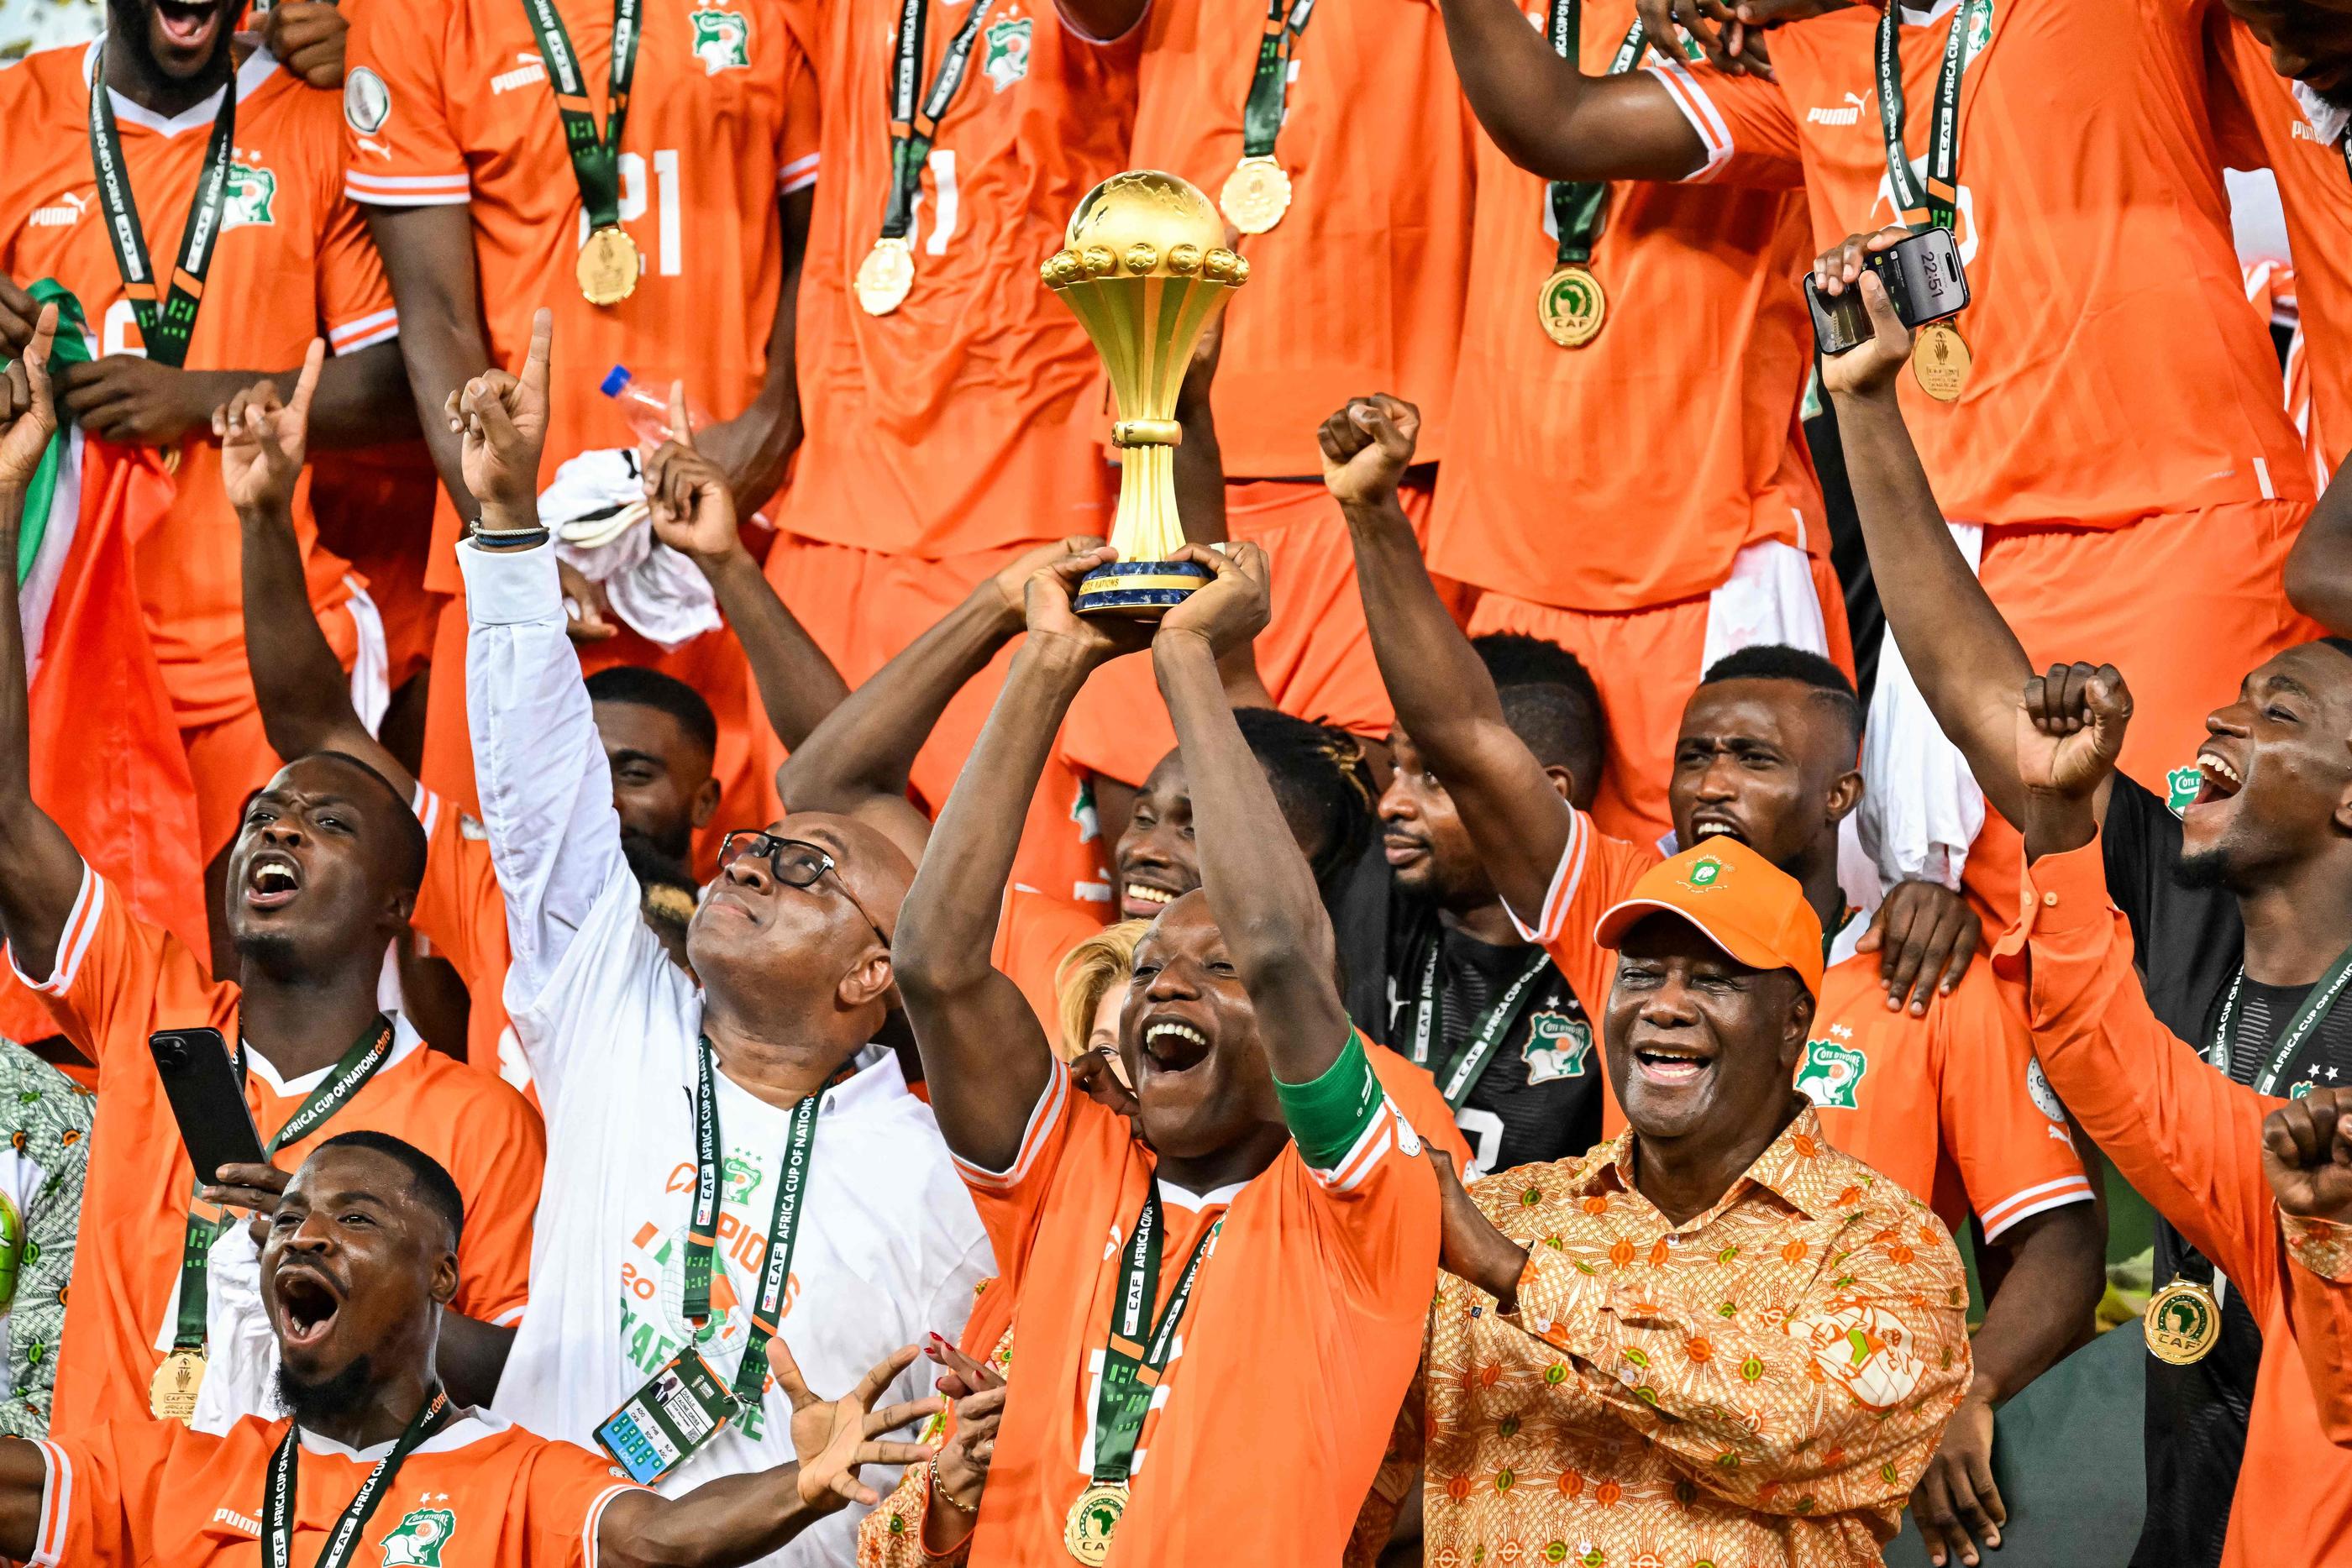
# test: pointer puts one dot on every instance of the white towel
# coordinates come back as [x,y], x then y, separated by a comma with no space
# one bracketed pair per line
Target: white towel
[372,665]
[241,1360]
[596,508]
[1921,809]
[1770,598]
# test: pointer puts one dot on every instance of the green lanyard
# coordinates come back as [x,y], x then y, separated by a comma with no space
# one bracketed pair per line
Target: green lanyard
[1270,81]
[342,1083]
[1578,207]
[167,330]
[595,159]
[1932,205]
[279,1502]
[913,127]
[1132,1365]
[1493,1026]
[784,1228]
[2315,1007]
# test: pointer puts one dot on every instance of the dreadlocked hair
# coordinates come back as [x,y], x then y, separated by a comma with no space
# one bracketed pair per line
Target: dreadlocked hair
[1322,782]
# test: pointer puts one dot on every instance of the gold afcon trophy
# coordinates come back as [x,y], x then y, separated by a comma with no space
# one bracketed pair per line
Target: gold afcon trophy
[1144,269]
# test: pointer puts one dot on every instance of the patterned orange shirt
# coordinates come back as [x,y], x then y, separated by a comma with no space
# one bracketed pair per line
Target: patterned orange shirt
[1761,1385]
[2320,1305]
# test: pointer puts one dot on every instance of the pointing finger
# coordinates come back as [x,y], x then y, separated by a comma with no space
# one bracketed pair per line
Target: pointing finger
[307,385]
[534,363]
[681,430]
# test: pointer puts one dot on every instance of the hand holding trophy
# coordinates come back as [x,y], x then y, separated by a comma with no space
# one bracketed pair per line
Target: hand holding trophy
[1145,270]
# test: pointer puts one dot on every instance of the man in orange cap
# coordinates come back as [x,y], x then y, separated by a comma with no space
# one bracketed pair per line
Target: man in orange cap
[1736,1343]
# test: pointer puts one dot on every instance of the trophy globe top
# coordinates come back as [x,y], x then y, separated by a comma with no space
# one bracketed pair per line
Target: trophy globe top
[1145,224]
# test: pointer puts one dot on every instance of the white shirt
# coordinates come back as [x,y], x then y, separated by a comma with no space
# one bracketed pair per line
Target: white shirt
[889,1246]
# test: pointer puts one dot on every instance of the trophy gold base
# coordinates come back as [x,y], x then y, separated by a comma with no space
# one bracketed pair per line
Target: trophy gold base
[1139,590]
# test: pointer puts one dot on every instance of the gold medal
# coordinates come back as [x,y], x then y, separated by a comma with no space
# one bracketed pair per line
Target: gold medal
[1571,306]
[1093,1519]
[609,266]
[2182,1323]
[1939,362]
[171,1392]
[1257,194]
[886,276]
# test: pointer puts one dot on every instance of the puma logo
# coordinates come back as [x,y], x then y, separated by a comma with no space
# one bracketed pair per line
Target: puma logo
[1851,114]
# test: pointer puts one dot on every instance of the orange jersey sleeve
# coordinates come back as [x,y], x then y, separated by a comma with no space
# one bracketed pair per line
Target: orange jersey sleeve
[2189,1139]
[105,1500]
[1595,871]
[1743,122]
[1418,1100]
[496,1159]
[1012,1201]
[565,1490]
[2000,1121]
[2319,1305]
[116,979]
[461,911]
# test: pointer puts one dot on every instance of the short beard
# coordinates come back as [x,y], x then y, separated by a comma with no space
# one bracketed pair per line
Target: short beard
[337,1395]
[668,891]
[274,953]
[2202,871]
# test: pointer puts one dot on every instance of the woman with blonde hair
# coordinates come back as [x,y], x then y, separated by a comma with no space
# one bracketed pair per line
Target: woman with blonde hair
[1092,986]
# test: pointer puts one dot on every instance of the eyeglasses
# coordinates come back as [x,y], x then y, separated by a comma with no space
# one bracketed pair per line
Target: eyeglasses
[795,862]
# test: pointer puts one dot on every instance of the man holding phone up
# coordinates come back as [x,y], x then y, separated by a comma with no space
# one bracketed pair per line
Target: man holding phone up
[321,876]
[2107,298]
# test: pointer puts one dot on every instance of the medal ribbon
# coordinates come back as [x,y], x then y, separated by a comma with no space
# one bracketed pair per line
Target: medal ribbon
[166,331]
[1132,1365]
[595,159]
[1578,207]
[1935,204]
[784,1229]
[913,128]
[2315,1007]
[277,1503]
[1270,81]
[343,1080]
[1493,1026]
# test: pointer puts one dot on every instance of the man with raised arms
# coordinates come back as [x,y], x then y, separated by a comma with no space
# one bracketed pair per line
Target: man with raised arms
[1274,1232]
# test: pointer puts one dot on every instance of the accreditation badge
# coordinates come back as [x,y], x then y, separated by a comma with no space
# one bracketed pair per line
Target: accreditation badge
[1093,1519]
[171,1392]
[1571,306]
[2183,1323]
[609,266]
[887,276]
[679,1410]
[1940,362]
[1257,194]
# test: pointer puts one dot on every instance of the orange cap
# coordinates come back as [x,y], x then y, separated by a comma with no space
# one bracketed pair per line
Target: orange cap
[1739,900]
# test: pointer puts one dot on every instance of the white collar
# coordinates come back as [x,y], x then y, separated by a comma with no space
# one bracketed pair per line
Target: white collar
[405,1040]
[1195,1202]
[863,1092]
[256,71]
[463,1429]
[1919,17]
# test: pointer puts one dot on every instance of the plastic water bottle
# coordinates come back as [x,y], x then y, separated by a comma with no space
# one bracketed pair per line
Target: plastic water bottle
[646,409]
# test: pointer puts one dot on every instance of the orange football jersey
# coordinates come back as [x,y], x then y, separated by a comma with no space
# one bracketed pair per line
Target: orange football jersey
[115,982]
[448,101]
[1360,288]
[461,911]
[2106,293]
[293,263]
[2315,193]
[1703,352]
[970,417]
[1952,1105]
[478,1493]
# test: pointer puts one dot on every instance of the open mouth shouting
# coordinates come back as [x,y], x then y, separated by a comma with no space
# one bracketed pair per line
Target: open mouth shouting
[1170,1045]
[2220,781]
[1708,825]
[307,1304]
[273,879]
[189,30]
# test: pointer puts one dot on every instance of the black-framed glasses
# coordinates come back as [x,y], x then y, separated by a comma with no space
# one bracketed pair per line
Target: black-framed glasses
[795,862]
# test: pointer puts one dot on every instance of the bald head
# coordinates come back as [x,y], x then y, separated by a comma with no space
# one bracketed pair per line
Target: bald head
[875,871]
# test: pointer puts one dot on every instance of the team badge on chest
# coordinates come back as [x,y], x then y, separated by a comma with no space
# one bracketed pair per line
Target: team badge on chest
[1007,60]
[1831,1074]
[252,197]
[422,1535]
[1557,1047]
[722,40]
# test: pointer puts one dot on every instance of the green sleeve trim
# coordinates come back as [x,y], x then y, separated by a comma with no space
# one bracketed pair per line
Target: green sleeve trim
[1328,1115]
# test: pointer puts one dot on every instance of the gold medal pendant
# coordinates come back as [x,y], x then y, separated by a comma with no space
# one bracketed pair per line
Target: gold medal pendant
[1939,362]
[171,1392]
[886,276]
[1093,1519]
[1257,194]
[2183,1323]
[1571,306]
[609,266]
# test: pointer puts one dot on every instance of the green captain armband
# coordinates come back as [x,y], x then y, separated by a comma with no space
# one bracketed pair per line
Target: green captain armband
[1329,1115]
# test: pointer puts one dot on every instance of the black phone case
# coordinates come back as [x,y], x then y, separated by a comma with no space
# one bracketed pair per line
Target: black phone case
[208,1102]
[1925,282]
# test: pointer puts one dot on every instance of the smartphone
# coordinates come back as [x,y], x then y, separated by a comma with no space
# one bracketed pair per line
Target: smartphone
[1924,281]
[208,1102]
